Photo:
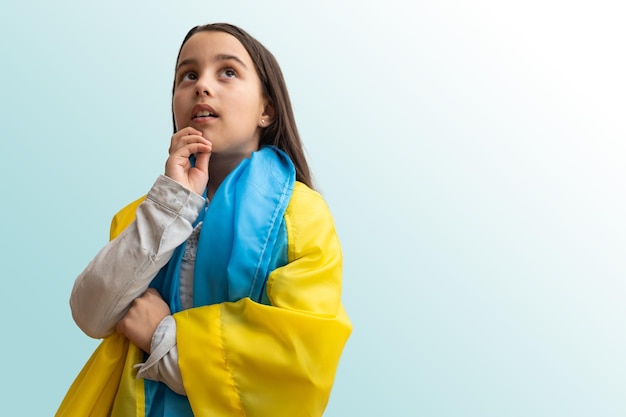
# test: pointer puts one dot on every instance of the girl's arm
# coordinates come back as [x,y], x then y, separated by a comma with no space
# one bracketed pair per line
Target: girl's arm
[123,269]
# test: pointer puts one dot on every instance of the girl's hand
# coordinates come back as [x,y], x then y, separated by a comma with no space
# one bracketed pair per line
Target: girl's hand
[187,142]
[143,318]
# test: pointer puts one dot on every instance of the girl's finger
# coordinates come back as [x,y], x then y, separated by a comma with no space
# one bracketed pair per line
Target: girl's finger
[190,149]
[183,141]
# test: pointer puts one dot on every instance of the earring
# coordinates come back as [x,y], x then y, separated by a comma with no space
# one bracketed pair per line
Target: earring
[262,121]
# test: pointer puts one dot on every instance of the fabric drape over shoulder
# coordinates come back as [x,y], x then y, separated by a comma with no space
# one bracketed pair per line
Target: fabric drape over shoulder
[267,329]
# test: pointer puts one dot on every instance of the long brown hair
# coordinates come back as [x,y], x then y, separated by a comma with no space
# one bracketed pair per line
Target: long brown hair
[282,132]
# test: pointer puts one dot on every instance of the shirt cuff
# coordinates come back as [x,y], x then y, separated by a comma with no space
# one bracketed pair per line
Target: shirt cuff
[162,364]
[176,198]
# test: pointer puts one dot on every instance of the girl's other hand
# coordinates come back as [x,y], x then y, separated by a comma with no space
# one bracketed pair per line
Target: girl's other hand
[143,318]
[187,142]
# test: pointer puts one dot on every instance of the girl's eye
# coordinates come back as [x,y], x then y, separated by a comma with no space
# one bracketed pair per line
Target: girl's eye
[189,76]
[228,73]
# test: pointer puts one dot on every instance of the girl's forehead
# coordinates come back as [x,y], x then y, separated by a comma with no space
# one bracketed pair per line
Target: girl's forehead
[206,44]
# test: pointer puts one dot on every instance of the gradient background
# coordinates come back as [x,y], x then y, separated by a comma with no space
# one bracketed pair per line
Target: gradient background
[473,155]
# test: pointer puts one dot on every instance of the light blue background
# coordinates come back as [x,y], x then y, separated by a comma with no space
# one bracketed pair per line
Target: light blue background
[473,155]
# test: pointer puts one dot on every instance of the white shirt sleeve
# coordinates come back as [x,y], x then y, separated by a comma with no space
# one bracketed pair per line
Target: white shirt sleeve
[162,364]
[124,268]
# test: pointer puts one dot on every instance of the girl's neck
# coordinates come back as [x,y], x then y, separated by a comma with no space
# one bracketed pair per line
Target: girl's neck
[220,165]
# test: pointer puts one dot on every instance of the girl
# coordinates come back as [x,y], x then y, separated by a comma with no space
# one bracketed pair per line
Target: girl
[219,293]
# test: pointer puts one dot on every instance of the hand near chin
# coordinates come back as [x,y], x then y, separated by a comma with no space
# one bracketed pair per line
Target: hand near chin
[143,318]
[187,142]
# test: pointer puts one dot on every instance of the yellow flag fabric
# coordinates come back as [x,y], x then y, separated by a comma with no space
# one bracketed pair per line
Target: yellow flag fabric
[243,358]
[109,373]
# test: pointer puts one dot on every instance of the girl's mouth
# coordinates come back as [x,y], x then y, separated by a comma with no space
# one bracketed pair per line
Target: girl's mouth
[202,114]
[202,111]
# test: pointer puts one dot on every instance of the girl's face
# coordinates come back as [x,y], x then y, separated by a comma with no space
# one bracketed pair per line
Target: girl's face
[218,92]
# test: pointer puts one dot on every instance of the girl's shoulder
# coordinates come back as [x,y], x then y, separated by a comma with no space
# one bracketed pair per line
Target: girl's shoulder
[306,205]
[304,198]
[124,217]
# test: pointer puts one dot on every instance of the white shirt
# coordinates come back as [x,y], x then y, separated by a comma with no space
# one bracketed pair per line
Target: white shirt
[124,268]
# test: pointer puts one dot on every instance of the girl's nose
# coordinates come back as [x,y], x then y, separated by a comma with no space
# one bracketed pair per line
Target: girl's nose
[203,87]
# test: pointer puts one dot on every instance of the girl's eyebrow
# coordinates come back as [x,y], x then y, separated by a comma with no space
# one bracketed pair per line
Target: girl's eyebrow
[226,57]
[184,62]
[218,58]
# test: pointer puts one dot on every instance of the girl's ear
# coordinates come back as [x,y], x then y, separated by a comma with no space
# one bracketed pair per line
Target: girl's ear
[267,117]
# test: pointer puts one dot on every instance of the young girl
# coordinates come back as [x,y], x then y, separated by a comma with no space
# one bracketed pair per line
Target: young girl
[219,293]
